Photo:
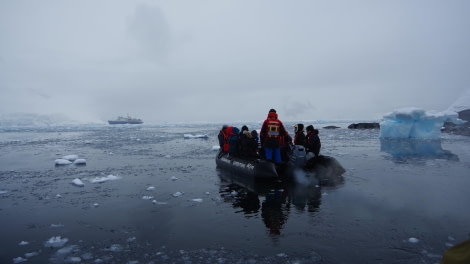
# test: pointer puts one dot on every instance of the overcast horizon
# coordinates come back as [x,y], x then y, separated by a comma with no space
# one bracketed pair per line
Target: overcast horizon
[226,61]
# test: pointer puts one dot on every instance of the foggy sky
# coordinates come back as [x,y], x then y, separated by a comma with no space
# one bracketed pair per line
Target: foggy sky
[222,61]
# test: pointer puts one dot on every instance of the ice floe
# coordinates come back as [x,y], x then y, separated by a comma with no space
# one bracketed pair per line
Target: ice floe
[177,194]
[78,182]
[32,254]
[197,200]
[19,260]
[147,197]
[80,161]
[205,136]
[104,179]
[413,240]
[150,188]
[23,243]
[70,159]
[62,162]
[157,202]
[56,242]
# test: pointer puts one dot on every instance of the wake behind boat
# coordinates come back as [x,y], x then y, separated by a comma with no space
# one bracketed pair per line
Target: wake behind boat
[125,120]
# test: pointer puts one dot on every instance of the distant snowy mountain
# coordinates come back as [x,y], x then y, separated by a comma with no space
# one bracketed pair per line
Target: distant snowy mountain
[462,103]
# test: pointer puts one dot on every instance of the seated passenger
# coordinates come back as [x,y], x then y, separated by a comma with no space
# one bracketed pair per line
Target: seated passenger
[248,145]
[299,138]
[233,143]
[313,141]
[223,137]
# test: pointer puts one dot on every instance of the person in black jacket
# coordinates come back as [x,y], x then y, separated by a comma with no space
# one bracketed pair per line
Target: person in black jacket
[299,138]
[313,141]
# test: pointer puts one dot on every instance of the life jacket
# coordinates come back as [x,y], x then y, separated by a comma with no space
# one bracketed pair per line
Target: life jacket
[273,126]
[227,133]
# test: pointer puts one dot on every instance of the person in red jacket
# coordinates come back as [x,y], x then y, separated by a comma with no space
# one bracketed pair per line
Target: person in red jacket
[271,134]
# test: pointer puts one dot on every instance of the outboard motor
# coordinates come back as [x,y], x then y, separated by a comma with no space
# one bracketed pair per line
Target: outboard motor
[298,156]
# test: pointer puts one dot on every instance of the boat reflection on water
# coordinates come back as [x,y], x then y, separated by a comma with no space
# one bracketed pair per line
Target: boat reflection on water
[403,150]
[273,199]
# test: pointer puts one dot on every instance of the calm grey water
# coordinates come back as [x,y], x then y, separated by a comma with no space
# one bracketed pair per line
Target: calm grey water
[399,201]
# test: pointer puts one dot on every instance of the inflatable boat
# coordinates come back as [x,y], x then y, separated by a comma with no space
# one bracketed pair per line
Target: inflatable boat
[323,167]
[256,168]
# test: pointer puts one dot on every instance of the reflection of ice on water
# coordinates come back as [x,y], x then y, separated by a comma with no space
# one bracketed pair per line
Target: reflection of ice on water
[416,148]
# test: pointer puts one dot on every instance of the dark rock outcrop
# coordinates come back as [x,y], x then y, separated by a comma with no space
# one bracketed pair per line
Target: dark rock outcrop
[331,127]
[372,125]
[465,115]
[459,129]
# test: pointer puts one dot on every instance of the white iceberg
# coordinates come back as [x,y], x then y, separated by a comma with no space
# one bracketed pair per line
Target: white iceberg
[416,123]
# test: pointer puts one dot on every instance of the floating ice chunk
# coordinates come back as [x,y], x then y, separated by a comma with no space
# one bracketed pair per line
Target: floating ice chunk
[32,254]
[115,248]
[208,193]
[3,192]
[96,205]
[62,162]
[58,196]
[414,122]
[195,136]
[78,182]
[215,147]
[145,197]
[197,200]
[282,255]
[173,178]
[177,194]
[56,242]
[70,157]
[150,188]
[19,260]
[23,243]
[73,260]
[413,240]
[57,225]
[80,162]
[66,250]
[131,239]
[103,179]
[167,156]
[156,202]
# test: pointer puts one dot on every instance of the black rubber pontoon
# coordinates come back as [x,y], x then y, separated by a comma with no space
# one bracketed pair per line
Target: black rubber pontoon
[256,168]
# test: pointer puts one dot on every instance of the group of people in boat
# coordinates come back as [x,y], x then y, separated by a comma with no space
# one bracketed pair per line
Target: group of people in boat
[273,142]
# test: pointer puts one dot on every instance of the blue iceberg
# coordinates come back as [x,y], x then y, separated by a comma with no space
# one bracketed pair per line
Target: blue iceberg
[415,123]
